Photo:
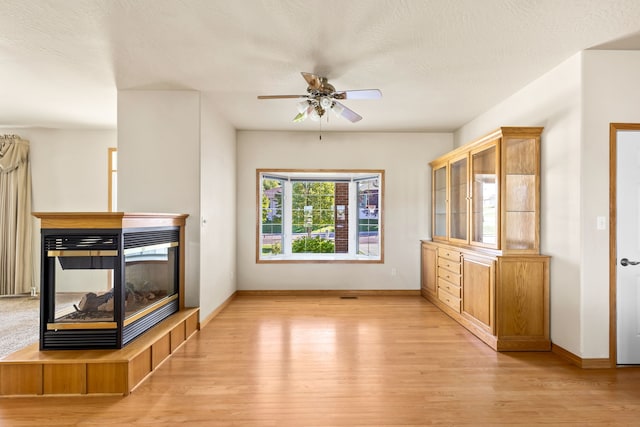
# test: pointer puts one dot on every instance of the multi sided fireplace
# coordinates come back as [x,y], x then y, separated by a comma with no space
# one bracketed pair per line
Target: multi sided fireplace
[106,278]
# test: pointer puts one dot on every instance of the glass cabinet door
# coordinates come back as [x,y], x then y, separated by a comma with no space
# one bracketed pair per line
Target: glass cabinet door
[520,228]
[440,202]
[458,200]
[484,196]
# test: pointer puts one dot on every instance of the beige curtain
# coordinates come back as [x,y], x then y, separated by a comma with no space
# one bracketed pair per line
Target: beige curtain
[16,258]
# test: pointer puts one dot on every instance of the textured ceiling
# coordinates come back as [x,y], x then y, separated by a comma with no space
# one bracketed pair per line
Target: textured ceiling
[438,63]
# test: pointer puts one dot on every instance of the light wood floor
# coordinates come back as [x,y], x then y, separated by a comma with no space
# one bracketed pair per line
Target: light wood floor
[326,361]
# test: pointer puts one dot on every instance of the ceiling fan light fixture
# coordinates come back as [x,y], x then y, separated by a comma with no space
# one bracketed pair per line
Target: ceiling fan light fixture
[303,106]
[325,102]
[314,115]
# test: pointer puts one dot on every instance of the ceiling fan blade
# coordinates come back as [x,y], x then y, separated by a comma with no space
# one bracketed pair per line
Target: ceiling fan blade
[358,94]
[347,113]
[281,96]
[313,81]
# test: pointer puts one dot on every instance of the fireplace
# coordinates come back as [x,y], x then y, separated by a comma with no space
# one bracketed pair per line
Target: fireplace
[106,278]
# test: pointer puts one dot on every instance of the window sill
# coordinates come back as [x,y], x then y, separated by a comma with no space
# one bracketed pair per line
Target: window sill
[320,258]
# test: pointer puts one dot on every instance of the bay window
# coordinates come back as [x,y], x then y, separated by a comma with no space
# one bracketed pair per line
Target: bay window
[319,215]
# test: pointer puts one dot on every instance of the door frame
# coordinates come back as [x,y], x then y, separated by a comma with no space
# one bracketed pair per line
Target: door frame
[613,241]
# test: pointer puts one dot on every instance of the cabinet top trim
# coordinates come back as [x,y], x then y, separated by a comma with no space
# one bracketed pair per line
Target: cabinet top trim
[505,131]
[489,253]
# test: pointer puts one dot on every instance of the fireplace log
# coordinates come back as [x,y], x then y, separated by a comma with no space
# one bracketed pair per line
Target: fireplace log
[107,306]
[92,301]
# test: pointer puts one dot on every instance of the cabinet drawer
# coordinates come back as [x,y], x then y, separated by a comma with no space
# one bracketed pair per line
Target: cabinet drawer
[449,254]
[447,264]
[449,300]
[449,276]
[449,287]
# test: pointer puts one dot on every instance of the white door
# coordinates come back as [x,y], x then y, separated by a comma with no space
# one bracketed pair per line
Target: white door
[628,246]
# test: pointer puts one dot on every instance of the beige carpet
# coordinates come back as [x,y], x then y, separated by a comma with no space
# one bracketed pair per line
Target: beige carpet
[19,322]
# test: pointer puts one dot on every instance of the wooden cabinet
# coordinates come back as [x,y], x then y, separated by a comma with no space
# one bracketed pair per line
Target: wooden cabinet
[479,291]
[429,264]
[484,189]
[484,256]
[502,299]
[520,199]
[487,193]
[439,201]
[449,278]
[458,199]
[522,294]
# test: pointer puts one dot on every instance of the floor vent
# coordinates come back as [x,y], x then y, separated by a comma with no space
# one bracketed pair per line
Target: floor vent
[348,297]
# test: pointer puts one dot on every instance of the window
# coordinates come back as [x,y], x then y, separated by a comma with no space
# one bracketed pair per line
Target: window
[319,216]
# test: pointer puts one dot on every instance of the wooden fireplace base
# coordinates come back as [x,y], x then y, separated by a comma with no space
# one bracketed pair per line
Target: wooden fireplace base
[66,372]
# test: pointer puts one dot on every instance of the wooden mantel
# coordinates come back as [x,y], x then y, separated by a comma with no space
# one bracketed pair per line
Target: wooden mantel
[108,219]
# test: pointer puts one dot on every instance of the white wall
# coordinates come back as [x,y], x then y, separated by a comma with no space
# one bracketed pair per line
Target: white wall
[69,170]
[159,164]
[407,203]
[611,94]
[218,206]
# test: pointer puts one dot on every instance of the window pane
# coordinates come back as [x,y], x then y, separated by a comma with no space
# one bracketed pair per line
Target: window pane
[368,217]
[313,218]
[271,217]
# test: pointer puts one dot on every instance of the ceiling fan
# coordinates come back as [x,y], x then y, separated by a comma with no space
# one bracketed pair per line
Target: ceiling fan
[322,96]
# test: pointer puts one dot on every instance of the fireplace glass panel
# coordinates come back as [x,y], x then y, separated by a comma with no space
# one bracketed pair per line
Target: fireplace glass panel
[150,276]
[84,288]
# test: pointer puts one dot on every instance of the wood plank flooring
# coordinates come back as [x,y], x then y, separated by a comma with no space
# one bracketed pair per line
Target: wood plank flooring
[326,361]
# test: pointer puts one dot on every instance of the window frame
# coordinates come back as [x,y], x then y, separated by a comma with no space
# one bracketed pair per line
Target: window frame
[330,175]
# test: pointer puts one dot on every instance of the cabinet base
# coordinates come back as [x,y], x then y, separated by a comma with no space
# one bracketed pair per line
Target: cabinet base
[497,343]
